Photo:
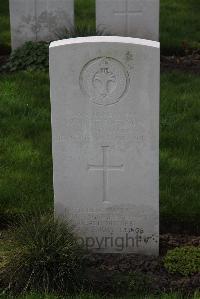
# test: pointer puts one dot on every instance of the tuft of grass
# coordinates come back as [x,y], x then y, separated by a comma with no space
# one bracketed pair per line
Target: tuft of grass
[46,257]
[80,31]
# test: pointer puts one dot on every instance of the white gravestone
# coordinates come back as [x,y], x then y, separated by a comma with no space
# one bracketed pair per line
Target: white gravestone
[39,20]
[135,18]
[105,135]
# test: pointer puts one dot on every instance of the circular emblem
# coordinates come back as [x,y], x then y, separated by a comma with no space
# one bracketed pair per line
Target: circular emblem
[104,80]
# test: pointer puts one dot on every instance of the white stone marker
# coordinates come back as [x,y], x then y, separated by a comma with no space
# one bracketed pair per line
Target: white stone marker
[39,20]
[105,130]
[135,18]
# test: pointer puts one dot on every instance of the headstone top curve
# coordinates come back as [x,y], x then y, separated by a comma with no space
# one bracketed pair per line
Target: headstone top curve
[105,39]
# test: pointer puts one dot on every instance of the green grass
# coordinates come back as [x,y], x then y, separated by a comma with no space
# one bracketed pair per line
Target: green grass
[179,25]
[90,296]
[179,22]
[25,146]
[25,149]
[85,13]
[179,148]
[4,24]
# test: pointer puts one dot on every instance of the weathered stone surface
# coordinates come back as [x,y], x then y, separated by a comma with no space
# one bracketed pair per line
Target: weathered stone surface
[135,18]
[36,20]
[105,134]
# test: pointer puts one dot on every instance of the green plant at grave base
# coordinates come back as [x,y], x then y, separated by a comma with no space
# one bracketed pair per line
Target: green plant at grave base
[46,257]
[31,55]
[81,31]
[35,55]
[184,260]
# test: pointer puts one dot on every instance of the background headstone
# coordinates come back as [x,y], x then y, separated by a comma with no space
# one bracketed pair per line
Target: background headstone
[105,130]
[39,20]
[135,18]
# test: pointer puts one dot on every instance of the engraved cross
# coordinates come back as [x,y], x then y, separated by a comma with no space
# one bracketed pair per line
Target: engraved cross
[129,13]
[105,167]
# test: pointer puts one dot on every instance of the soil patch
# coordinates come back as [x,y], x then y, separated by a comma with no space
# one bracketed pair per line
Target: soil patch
[111,273]
[187,63]
[3,60]
[120,274]
[171,241]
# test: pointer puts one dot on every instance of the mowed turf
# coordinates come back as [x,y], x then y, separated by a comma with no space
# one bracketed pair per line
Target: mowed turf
[179,150]
[179,25]
[25,149]
[179,22]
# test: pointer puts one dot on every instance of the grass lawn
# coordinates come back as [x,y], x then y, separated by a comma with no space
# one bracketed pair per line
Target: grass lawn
[179,149]
[179,22]
[25,151]
[4,24]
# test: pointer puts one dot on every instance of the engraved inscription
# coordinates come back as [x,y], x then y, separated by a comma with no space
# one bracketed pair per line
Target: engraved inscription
[105,167]
[119,132]
[128,13]
[41,23]
[104,80]
[95,227]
